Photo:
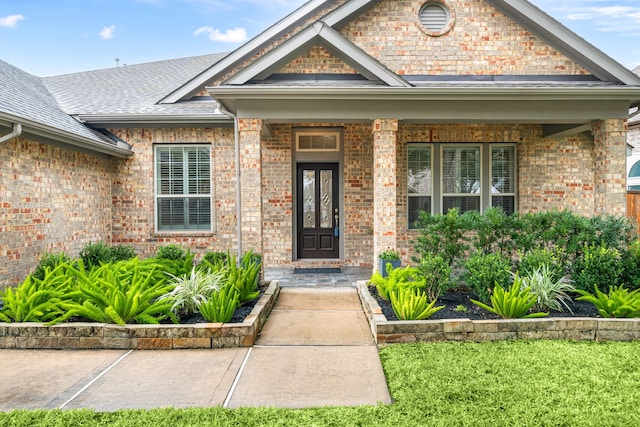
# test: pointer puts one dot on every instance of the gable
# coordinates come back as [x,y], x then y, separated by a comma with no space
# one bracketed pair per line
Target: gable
[317,59]
[481,41]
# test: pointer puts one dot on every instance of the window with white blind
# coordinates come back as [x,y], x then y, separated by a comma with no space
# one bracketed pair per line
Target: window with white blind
[183,188]
[469,177]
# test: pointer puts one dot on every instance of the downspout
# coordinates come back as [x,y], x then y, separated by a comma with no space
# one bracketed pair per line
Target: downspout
[236,136]
[16,132]
[635,113]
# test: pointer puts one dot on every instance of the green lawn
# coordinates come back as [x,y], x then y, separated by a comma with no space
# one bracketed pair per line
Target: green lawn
[509,383]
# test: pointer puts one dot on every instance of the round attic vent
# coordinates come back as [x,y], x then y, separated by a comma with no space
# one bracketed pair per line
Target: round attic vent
[435,17]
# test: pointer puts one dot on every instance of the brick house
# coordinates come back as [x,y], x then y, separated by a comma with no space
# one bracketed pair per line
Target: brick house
[318,142]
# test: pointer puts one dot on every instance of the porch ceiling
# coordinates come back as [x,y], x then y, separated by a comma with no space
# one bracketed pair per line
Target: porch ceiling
[540,105]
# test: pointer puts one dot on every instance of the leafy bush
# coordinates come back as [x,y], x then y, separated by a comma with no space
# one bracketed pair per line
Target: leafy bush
[599,267]
[173,252]
[514,303]
[436,275]
[616,232]
[631,266]
[619,302]
[536,258]
[118,293]
[551,292]
[192,290]
[442,235]
[216,258]
[49,261]
[389,254]
[493,231]
[95,254]
[485,271]
[221,305]
[246,277]
[37,300]
[407,277]
[412,304]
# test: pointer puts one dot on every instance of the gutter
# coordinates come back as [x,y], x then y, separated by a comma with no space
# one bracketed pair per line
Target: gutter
[15,133]
[236,136]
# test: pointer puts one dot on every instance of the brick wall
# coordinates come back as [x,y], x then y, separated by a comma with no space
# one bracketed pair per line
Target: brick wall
[482,41]
[51,200]
[317,60]
[133,191]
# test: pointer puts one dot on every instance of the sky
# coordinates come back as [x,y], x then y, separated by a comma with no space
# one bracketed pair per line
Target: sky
[51,37]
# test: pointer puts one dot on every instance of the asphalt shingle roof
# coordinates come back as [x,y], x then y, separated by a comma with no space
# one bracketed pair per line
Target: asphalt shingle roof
[25,96]
[131,89]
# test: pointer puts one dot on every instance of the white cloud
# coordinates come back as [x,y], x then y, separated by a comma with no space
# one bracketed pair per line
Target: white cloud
[234,35]
[10,21]
[107,32]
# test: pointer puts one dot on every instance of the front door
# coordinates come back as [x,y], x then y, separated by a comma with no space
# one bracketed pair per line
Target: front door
[318,210]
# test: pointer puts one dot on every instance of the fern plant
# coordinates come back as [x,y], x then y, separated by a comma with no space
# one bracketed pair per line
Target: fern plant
[412,304]
[37,300]
[619,302]
[551,293]
[221,305]
[192,290]
[407,277]
[514,303]
[110,294]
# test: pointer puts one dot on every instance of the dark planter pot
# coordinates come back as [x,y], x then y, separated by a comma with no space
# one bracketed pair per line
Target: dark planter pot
[382,267]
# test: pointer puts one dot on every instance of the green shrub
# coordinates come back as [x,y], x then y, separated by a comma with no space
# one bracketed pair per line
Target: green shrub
[493,231]
[245,277]
[49,261]
[631,266]
[536,258]
[407,277]
[485,271]
[612,231]
[118,293]
[619,302]
[192,290]
[37,300]
[442,235]
[412,304]
[216,258]
[599,267]
[221,305]
[436,275]
[514,303]
[95,254]
[550,291]
[173,252]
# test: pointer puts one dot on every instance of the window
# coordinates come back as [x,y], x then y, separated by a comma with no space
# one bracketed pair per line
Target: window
[419,181]
[183,188]
[469,177]
[317,141]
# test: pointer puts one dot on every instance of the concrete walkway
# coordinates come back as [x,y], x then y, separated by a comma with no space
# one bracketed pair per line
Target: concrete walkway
[315,350]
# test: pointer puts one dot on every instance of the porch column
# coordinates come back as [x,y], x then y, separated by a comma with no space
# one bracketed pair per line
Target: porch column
[251,183]
[384,186]
[610,190]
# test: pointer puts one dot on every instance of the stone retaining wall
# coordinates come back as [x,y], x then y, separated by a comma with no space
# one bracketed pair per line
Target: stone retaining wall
[575,328]
[84,336]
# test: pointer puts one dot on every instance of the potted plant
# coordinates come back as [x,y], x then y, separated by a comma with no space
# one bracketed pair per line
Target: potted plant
[388,256]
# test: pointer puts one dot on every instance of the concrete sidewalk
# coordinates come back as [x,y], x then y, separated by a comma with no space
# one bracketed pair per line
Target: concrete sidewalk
[315,350]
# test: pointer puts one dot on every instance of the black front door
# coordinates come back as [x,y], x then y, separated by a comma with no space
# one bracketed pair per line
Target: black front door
[317,209]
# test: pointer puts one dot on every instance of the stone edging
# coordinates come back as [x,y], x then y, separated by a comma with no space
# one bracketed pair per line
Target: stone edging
[576,328]
[85,336]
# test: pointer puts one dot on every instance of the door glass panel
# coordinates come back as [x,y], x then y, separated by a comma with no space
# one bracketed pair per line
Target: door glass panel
[309,197]
[326,198]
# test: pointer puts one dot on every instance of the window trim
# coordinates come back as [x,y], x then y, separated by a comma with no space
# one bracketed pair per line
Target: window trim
[157,196]
[437,177]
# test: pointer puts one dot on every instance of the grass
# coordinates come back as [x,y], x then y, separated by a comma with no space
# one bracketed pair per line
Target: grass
[508,383]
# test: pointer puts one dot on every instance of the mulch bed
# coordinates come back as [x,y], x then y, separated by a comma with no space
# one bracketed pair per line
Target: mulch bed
[456,298]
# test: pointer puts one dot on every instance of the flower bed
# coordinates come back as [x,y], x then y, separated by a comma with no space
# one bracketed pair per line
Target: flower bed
[142,337]
[465,329]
